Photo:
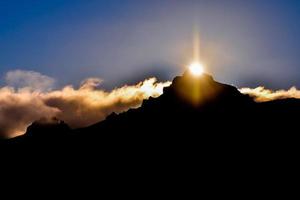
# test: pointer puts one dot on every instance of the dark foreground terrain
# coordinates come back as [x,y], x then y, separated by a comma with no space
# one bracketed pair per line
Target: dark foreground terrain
[197,128]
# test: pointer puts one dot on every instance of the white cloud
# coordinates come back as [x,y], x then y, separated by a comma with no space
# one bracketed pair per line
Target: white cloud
[29,79]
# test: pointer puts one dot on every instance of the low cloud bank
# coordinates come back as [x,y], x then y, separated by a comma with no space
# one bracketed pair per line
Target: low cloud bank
[261,94]
[28,96]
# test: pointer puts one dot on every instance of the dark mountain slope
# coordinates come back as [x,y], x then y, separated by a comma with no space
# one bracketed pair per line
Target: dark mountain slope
[199,130]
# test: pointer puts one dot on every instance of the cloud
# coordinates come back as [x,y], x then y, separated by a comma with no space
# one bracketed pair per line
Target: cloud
[29,96]
[78,107]
[261,94]
[29,79]
[90,83]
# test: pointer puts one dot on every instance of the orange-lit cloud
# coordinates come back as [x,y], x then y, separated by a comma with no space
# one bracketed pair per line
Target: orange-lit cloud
[28,96]
[261,94]
[78,107]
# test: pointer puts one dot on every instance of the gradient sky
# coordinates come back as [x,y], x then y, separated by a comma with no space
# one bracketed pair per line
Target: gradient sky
[243,42]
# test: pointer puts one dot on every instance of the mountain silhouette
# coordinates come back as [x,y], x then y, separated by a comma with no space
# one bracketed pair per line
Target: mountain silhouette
[197,123]
[192,109]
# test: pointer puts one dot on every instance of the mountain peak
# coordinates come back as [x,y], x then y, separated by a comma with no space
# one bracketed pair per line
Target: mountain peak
[199,90]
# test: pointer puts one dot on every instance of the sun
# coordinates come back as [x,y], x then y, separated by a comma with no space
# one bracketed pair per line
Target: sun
[196,68]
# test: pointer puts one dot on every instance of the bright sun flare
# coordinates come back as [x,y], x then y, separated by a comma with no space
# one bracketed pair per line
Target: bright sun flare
[196,68]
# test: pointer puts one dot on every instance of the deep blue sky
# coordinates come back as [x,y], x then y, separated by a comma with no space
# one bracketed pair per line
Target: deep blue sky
[247,43]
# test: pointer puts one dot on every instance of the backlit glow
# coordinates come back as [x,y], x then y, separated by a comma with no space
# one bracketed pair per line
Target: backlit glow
[196,68]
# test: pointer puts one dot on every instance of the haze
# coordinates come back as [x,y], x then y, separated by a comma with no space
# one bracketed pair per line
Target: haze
[246,43]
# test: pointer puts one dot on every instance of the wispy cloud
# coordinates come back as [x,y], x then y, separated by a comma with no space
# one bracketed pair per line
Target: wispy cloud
[24,101]
[261,94]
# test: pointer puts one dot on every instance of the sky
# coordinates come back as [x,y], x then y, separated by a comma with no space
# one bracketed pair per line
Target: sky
[247,43]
